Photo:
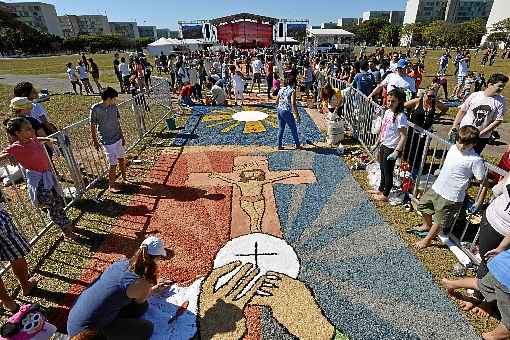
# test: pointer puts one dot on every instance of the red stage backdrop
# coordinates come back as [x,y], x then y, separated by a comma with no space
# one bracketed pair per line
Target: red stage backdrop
[246,34]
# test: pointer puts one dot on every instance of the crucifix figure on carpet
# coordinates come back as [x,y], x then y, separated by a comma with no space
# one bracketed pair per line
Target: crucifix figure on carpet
[253,202]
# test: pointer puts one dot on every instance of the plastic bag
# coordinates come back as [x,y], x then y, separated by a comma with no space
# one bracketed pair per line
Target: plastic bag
[374,175]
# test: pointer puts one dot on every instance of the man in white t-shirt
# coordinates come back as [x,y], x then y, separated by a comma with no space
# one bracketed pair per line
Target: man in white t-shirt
[485,110]
[445,198]
[397,79]
[257,68]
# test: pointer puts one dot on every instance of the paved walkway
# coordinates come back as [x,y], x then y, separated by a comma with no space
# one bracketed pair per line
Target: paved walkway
[40,81]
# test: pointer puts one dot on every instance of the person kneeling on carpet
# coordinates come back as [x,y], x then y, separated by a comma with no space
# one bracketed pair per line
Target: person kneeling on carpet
[111,308]
[218,94]
[186,92]
[445,198]
[494,289]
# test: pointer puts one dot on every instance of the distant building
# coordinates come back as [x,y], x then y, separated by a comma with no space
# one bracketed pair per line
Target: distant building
[342,22]
[500,11]
[41,16]
[75,25]
[452,11]
[394,17]
[6,8]
[329,25]
[150,32]
[163,32]
[125,29]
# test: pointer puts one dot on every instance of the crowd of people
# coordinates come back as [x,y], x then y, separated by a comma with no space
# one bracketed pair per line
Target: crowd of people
[112,306]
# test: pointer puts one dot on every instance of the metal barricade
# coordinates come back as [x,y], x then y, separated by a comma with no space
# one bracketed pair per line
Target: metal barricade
[424,155]
[77,164]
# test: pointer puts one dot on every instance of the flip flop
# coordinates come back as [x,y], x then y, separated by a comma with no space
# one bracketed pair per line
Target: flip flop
[417,233]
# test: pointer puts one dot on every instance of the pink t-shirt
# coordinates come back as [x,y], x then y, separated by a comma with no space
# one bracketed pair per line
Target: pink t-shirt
[31,155]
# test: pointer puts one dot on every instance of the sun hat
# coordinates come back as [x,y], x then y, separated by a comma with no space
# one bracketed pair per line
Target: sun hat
[402,63]
[155,246]
[20,103]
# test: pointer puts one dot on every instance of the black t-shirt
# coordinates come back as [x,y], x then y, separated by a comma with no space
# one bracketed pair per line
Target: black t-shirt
[116,64]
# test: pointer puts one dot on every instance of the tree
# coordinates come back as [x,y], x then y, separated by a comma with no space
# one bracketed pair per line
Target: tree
[434,33]
[369,31]
[412,34]
[143,42]
[390,35]
[500,32]
[472,32]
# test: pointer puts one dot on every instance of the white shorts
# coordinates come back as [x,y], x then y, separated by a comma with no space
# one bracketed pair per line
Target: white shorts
[114,152]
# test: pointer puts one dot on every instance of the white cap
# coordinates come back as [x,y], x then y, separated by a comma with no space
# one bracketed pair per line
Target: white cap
[155,246]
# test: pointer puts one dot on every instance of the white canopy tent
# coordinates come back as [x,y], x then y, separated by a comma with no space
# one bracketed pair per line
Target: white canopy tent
[164,45]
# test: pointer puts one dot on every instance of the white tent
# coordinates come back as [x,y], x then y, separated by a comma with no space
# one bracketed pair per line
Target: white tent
[163,45]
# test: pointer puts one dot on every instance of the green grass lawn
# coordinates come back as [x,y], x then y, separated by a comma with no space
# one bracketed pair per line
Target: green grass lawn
[55,66]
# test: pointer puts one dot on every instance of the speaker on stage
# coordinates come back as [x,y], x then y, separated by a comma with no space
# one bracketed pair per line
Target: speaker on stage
[207,31]
[280,30]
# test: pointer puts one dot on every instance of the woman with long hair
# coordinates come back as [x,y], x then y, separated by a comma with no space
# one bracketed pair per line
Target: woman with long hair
[423,115]
[112,306]
[331,99]
[287,110]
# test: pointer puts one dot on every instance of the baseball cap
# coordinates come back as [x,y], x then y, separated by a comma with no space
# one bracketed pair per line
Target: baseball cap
[20,103]
[155,246]
[402,63]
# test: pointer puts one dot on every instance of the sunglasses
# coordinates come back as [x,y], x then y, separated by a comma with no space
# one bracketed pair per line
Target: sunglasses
[433,96]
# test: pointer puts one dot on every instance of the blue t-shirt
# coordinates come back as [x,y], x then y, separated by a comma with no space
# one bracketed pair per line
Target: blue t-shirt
[101,303]
[364,82]
[500,268]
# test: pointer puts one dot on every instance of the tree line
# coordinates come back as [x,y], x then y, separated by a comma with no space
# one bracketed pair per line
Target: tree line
[433,34]
[18,37]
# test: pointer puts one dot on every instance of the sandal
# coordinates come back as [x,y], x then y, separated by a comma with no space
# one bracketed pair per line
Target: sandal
[416,232]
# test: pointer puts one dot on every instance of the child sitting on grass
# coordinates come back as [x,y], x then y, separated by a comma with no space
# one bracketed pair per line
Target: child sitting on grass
[43,188]
[494,288]
[445,197]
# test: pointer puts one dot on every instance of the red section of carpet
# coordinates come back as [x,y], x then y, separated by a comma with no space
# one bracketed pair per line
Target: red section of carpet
[194,222]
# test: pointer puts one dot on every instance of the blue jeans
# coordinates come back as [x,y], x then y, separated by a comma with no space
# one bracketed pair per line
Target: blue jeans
[285,117]
[187,101]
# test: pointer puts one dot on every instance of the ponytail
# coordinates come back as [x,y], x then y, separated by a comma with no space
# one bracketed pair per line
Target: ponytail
[144,265]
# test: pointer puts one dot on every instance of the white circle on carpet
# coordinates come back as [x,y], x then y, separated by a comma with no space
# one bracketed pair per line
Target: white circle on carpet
[267,252]
[249,116]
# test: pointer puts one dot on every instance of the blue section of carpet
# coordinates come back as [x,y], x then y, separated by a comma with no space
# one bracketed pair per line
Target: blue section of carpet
[197,132]
[361,272]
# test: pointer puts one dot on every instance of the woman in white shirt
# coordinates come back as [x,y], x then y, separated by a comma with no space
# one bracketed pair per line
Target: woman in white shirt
[73,78]
[392,139]
[495,226]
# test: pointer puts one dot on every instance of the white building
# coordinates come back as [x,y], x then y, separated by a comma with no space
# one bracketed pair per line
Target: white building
[394,17]
[150,32]
[349,21]
[75,25]
[125,29]
[41,16]
[500,11]
[453,11]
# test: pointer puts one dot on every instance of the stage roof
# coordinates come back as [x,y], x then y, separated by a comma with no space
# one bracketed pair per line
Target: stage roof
[243,16]
[330,32]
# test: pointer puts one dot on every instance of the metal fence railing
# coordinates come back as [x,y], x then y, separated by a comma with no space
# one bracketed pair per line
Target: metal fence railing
[78,166]
[422,159]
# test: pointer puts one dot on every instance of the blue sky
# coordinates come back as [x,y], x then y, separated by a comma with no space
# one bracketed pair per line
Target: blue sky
[166,13]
